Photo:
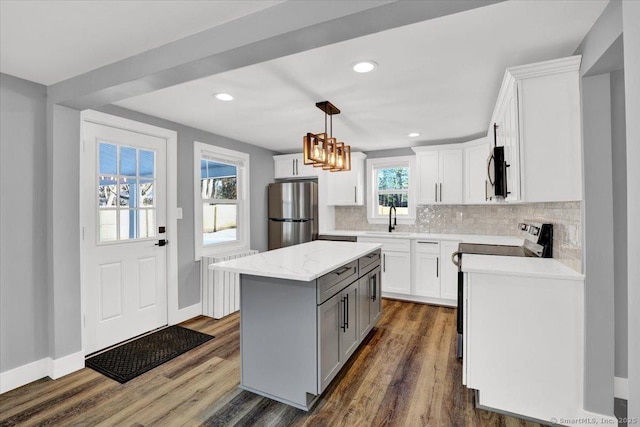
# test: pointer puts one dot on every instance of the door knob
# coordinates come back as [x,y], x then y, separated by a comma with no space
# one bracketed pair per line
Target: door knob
[162,242]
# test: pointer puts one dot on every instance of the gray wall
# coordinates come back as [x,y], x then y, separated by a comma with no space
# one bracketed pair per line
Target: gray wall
[23,286]
[261,174]
[619,158]
[631,17]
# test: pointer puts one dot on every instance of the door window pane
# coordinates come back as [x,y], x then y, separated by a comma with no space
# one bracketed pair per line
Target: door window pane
[128,193]
[128,161]
[108,158]
[107,192]
[146,223]
[219,223]
[147,163]
[107,223]
[146,193]
[128,224]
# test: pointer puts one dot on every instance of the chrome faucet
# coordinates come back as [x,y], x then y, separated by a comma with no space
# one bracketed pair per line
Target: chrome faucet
[395,217]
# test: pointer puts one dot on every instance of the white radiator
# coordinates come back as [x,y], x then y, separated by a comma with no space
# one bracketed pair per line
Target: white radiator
[220,289]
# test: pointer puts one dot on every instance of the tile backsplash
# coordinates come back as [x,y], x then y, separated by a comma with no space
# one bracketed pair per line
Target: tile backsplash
[495,219]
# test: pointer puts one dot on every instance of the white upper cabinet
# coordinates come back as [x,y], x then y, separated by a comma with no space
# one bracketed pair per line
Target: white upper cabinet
[538,118]
[347,188]
[439,174]
[475,155]
[290,166]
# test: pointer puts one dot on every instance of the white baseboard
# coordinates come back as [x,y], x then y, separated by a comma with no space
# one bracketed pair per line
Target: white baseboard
[188,313]
[621,388]
[46,367]
[66,365]
[24,374]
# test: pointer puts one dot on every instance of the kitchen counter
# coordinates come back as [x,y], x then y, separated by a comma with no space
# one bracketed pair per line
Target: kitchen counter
[304,262]
[466,238]
[519,266]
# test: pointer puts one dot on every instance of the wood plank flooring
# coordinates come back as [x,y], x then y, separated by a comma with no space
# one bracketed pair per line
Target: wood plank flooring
[404,374]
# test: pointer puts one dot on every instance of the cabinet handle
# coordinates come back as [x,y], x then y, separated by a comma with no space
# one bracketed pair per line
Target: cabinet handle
[373,280]
[430,243]
[342,270]
[347,309]
[344,314]
[486,197]
[440,191]
[436,190]
[355,194]
[437,266]
[293,166]
[384,263]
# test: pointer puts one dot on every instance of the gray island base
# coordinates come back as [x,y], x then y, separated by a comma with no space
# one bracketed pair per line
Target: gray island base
[296,335]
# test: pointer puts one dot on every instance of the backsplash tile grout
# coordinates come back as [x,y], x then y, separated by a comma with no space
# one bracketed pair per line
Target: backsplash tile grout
[492,219]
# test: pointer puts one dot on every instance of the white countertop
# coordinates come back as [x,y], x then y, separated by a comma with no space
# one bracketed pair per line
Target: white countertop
[466,238]
[518,266]
[304,262]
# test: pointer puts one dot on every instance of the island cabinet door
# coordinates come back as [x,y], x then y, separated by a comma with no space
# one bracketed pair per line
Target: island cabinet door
[350,336]
[364,307]
[375,301]
[329,336]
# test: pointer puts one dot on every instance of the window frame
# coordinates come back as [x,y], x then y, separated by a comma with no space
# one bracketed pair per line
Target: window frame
[373,165]
[203,151]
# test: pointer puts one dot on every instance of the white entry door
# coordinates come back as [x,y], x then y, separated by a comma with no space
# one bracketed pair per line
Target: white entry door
[123,208]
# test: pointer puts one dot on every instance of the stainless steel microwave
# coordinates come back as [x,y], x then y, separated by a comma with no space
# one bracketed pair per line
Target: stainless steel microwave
[496,182]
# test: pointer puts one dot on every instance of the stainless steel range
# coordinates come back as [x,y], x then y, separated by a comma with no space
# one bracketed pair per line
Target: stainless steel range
[538,243]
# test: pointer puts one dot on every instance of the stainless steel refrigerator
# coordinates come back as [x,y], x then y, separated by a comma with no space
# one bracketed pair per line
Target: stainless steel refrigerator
[293,213]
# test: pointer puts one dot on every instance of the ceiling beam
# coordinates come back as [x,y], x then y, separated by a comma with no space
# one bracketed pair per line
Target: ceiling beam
[285,29]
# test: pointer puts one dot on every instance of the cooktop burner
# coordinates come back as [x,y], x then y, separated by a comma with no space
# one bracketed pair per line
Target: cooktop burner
[499,250]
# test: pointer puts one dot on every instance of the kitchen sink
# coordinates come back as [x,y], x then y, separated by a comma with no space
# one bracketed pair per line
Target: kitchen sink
[385,233]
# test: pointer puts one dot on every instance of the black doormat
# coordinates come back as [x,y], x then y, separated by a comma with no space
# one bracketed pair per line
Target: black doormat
[129,360]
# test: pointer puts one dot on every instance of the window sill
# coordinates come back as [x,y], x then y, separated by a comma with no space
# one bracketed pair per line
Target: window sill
[227,249]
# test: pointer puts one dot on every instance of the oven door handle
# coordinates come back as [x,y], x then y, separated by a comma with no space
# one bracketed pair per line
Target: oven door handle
[454,260]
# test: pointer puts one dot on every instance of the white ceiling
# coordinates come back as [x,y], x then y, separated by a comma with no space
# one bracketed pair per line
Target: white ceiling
[438,77]
[50,41]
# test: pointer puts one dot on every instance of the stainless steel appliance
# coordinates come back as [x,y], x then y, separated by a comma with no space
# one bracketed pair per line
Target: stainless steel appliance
[496,182]
[538,242]
[293,213]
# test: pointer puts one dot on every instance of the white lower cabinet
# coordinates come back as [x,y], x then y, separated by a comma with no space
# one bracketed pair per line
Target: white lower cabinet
[448,271]
[396,272]
[426,268]
[418,269]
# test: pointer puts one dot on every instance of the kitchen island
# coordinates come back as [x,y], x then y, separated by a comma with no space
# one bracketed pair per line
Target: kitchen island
[304,310]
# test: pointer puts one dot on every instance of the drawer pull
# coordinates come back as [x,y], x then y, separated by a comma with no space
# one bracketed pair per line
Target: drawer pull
[429,243]
[342,270]
[372,255]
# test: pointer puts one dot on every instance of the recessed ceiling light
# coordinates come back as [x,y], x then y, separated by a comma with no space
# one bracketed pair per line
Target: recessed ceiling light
[365,67]
[223,97]
[413,134]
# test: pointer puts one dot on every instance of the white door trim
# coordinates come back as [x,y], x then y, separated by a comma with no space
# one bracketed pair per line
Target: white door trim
[173,312]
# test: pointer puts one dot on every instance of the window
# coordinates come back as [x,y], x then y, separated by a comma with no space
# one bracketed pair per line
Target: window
[126,202]
[390,185]
[221,200]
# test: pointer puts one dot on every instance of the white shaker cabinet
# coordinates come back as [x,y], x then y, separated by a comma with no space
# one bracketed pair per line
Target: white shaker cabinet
[439,174]
[426,268]
[538,122]
[347,188]
[448,271]
[288,166]
[396,264]
[475,155]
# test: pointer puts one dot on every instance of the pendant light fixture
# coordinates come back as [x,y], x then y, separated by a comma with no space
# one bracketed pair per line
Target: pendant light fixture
[322,149]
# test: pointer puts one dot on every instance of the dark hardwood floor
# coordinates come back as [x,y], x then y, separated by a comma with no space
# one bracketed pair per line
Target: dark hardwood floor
[405,374]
